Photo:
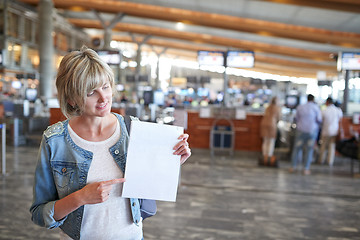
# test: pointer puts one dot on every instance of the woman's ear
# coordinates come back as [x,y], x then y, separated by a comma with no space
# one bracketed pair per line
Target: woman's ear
[71,103]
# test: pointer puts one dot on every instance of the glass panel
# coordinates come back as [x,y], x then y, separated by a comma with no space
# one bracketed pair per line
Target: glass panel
[1,20]
[13,26]
[28,29]
[14,54]
[33,58]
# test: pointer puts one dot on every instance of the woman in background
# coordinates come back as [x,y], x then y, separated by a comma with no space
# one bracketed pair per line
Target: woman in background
[268,131]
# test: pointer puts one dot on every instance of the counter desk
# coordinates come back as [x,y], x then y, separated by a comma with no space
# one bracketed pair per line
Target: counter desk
[247,131]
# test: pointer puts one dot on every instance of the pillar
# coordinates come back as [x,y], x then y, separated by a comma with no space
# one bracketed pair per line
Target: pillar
[46,48]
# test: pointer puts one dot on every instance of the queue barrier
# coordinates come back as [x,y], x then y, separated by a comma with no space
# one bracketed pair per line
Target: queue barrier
[222,136]
[3,148]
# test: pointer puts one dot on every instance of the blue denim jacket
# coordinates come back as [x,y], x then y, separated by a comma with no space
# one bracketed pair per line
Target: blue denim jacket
[62,169]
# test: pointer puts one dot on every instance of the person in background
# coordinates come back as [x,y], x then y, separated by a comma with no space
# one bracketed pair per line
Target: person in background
[331,116]
[307,119]
[81,161]
[268,131]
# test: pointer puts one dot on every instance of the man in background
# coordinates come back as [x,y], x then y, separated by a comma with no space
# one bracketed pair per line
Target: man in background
[331,116]
[307,118]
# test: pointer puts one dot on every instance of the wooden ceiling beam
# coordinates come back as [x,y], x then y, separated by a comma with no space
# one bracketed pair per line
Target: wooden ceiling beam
[261,27]
[195,48]
[337,5]
[209,39]
[190,51]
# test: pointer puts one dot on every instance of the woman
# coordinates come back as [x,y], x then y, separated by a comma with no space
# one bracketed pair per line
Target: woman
[268,130]
[81,163]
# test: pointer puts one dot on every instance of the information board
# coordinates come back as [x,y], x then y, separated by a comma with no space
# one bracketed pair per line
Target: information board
[240,59]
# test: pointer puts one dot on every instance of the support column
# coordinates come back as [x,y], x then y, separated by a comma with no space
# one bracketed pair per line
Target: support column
[157,80]
[226,94]
[346,92]
[46,48]
[107,38]
[138,61]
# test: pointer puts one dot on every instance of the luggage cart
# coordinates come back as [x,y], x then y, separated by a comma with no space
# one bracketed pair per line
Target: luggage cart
[222,136]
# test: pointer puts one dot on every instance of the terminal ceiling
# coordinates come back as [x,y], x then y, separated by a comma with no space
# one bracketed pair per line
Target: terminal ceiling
[289,37]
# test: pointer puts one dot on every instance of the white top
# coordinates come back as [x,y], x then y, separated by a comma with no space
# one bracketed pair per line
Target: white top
[331,117]
[111,219]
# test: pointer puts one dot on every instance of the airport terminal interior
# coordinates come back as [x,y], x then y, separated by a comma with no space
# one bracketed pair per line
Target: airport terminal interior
[212,68]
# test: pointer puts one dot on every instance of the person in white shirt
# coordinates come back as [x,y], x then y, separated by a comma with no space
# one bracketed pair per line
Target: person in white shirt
[330,127]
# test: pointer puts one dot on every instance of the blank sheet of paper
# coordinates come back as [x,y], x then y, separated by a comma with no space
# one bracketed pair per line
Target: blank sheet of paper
[152,170]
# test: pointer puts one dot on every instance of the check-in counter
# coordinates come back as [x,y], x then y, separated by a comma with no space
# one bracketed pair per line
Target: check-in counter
[247,131]
[349,127]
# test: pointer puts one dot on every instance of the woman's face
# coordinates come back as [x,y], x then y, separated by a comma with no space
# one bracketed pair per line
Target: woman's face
[98,102]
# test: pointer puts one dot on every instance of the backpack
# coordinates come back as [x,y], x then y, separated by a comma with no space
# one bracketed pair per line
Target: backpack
[147,206]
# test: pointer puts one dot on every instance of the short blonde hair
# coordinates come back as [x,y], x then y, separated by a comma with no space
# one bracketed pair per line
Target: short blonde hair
[80,72]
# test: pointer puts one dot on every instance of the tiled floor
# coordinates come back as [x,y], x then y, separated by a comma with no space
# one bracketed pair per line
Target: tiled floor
[221,198]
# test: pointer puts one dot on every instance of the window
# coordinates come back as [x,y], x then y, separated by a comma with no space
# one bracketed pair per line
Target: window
[28,30]
[14,54]
[13,25]
[33,58]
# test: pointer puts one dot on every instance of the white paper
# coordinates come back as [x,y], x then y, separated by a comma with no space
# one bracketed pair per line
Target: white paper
[152,170]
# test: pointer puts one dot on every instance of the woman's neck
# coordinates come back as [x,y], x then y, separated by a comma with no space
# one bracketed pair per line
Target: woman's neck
[94,128]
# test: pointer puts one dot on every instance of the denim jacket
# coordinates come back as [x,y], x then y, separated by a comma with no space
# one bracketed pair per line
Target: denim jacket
[62,169]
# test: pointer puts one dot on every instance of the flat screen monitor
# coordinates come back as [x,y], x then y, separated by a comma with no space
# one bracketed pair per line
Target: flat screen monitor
[159,98]
[110,57]
[348,61]
[31,94]
[211,58]
[130,78]
[292,101]
[240,59]
[203,92]
[191,79]
[205,79]
[356,118]
[16,84]
[148,97]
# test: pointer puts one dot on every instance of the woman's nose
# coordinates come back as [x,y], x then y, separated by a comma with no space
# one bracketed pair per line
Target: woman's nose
[102,96]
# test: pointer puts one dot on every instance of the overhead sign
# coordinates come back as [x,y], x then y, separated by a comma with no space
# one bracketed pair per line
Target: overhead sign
[348,61]
[240,59]
[211,58]
[110,57]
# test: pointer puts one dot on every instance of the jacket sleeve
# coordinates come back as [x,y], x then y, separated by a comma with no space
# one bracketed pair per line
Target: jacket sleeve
[44,191]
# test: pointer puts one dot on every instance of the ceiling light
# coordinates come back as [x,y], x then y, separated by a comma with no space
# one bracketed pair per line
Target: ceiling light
[180,26]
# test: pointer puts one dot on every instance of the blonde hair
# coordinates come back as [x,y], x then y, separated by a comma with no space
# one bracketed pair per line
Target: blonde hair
[80,72]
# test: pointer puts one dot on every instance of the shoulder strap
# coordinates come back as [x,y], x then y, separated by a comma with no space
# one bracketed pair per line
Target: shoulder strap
[127,120]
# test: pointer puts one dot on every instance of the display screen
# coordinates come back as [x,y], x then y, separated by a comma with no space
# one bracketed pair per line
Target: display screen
[211,58]
[348,61]
[110,57]
[16,84]
[159,98]
[240,59]
[31,94]
[292,101]
[148,97]
[203,92]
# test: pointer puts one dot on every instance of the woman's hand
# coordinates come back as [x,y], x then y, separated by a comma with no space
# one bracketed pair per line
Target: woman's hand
[92,193]
[98,192]
[182,148]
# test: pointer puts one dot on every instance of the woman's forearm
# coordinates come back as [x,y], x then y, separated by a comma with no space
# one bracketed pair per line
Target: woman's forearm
[67,205]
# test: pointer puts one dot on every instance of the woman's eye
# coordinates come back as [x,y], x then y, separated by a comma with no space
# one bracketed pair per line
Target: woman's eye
[90,93]
[106,86]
